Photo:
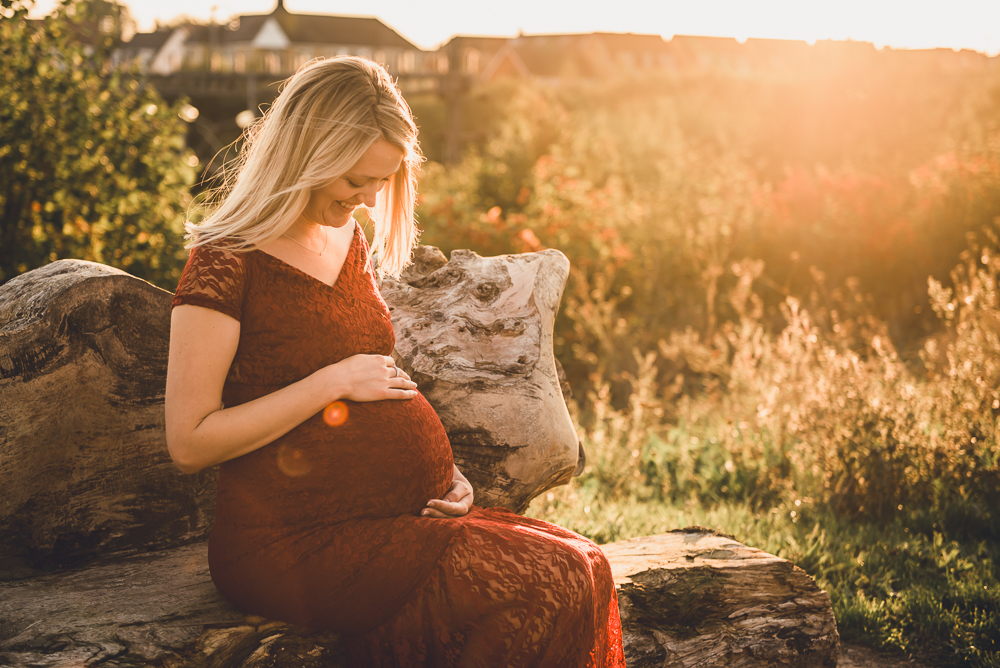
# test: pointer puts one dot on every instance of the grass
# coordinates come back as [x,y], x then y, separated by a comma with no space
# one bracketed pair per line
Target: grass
[880,481]
[892,588]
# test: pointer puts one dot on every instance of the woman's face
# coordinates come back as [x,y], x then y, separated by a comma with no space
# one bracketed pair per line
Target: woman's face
[334,203]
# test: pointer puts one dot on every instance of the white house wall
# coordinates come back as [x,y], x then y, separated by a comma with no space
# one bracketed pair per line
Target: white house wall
[271,37]
[170,57]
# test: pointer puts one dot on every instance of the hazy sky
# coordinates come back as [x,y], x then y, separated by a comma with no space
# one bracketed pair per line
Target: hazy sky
[972,24]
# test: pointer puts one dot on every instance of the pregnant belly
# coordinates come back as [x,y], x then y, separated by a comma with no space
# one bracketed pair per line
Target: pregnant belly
[388,459]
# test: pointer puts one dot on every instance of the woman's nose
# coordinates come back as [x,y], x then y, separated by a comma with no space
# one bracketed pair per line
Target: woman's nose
[368,194]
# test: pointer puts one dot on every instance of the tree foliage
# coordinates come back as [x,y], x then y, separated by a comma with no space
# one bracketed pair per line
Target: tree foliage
[93,164]
[665,197]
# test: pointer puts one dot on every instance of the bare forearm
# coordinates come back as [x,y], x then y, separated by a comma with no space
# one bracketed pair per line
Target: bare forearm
[232,432]
[200,433]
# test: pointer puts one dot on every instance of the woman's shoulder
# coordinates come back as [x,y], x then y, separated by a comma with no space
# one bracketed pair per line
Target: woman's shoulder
[222,254]
[216,276]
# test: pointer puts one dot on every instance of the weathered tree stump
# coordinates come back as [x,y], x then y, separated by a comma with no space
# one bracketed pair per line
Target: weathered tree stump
[84,475]
[687,598]
[84,469]
[694,598]
[475,333]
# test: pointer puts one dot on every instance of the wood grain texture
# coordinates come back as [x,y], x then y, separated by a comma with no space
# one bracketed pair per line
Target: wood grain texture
[84,469]
[475,334]
[694,598]
[686,598]
[134,610]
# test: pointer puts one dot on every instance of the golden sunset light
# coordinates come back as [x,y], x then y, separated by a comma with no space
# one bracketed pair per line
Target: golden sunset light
[433,333]
[901,24]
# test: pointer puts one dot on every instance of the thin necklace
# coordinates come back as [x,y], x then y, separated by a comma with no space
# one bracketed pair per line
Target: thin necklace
[326,240]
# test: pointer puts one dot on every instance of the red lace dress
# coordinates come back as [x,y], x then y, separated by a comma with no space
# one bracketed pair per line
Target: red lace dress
[321,527]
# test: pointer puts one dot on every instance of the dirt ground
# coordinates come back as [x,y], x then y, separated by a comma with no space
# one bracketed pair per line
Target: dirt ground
[853,656]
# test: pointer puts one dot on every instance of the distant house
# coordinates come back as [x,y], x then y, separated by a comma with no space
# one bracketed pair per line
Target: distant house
[556,58]
[198,59]
[468,54]
[777,56]
[696,55]
[142,49]
[277,43]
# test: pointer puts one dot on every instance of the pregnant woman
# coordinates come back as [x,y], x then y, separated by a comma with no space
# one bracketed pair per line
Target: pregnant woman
[362,526]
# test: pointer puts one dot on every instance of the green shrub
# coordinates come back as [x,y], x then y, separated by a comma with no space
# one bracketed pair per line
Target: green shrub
[93,164]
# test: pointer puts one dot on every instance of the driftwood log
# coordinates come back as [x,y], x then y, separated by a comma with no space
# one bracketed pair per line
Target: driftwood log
[475,334]
[694,598]
[84,476]
[84,469]
[688,598]
[83,464]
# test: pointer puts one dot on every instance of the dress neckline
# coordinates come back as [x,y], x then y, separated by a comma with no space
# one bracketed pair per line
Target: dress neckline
[336,281]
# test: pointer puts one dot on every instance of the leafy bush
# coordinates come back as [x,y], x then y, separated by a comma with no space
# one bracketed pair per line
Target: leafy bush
[93,164]
[654,209]
[882,484]
[760,349]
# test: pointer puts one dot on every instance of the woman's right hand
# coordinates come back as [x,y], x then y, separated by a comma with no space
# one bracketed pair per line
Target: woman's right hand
[200,433]
[371,378]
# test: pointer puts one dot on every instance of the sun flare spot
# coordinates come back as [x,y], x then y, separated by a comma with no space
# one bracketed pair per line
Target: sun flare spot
[335,414]
[292,461]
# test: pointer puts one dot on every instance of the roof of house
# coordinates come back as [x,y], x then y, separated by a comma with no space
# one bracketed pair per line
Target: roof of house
[776,45]
[702,42]
[149,40]
[574,55]
[306,28]
[627,41]
[478,42]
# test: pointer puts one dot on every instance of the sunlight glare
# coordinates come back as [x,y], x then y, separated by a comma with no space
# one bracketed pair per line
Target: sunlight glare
[957,24]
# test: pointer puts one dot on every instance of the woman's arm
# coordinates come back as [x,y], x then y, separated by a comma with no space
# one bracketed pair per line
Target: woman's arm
[200,433]
[455,503]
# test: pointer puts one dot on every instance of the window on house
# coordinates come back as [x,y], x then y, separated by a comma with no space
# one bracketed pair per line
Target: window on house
[240,62]
[272,63]
[442,64]
[195,59]
[407,62]
[379,57]
[215,62]
[471,64]
[302,57]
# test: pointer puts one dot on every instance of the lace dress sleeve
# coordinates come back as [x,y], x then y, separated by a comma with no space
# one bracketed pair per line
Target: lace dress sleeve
[214,278]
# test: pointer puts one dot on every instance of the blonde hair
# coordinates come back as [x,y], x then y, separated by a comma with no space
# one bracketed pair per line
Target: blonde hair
[326,116]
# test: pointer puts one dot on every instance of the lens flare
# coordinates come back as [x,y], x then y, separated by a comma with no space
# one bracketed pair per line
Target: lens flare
[292,461]
[335,414]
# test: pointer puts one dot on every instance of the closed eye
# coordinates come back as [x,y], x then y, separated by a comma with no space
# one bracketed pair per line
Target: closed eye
[351,183]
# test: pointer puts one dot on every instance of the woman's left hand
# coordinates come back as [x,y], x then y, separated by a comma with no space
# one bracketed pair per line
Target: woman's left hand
[455,503]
